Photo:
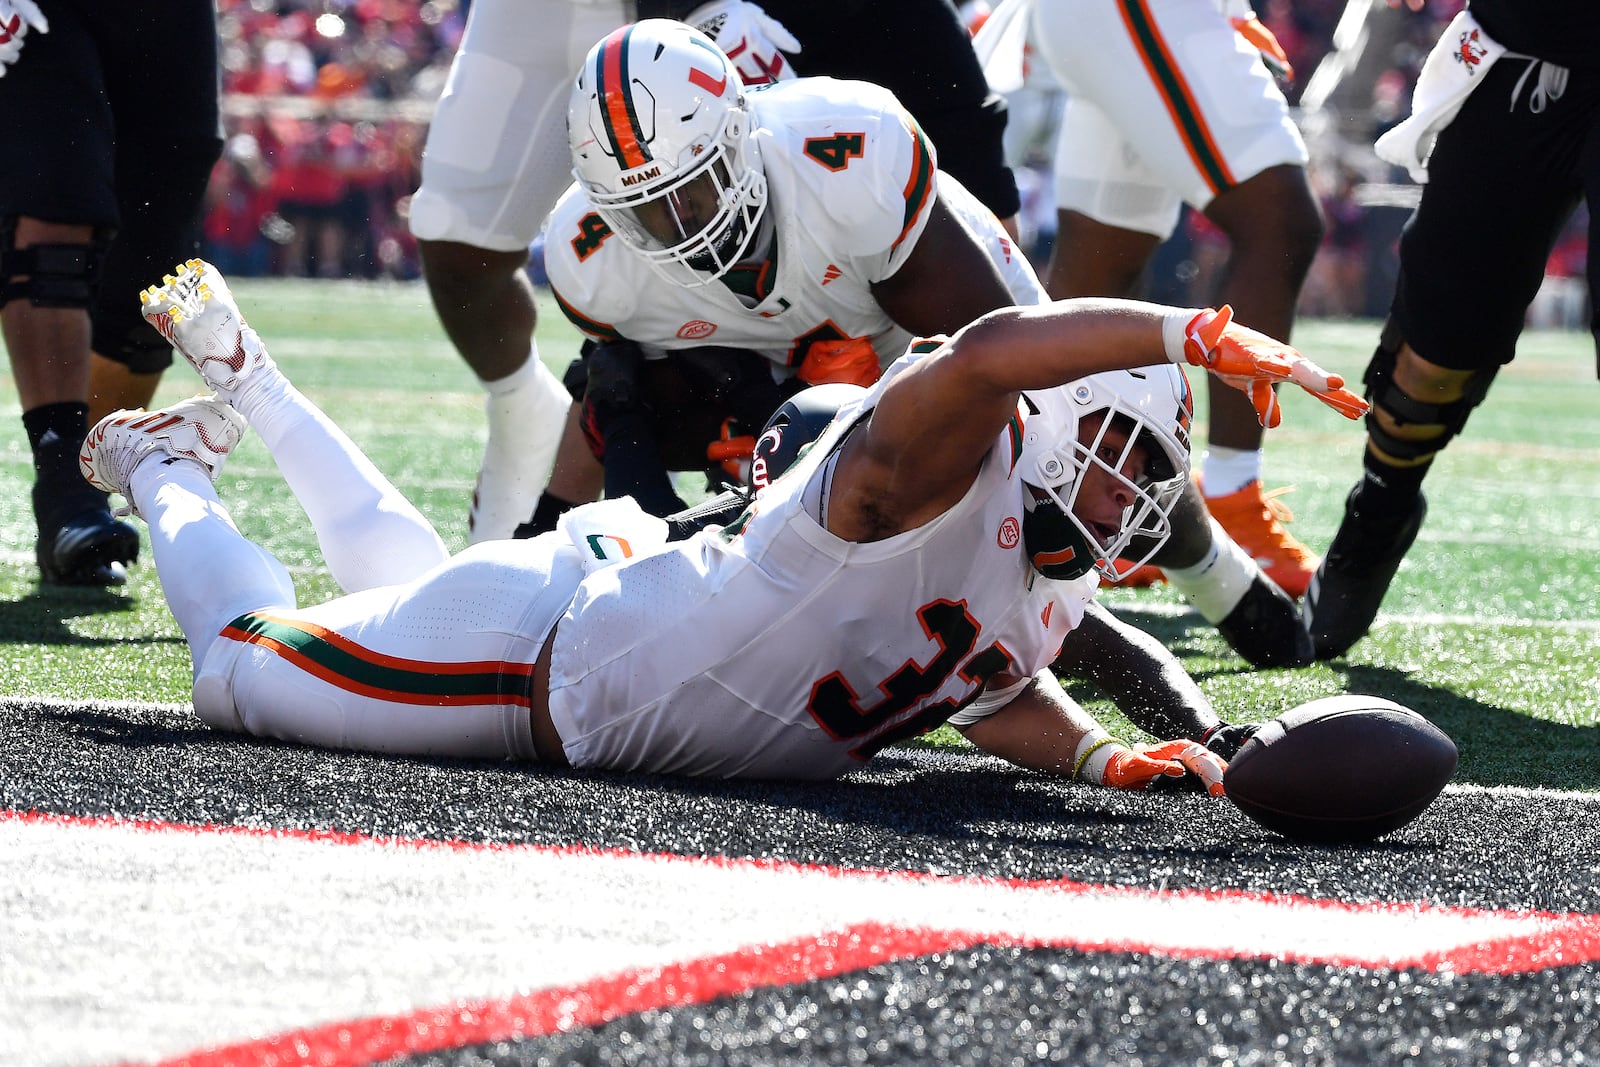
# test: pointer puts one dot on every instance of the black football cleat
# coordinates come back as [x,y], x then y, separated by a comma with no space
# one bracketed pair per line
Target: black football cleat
[1355,574]
[91,549]
[1264,627]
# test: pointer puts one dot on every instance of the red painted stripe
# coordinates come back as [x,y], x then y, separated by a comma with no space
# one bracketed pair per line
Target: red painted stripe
[1504,956]
[366,1041]
[1558,940]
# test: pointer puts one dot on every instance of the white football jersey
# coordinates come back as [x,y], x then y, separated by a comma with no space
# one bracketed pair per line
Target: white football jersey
[773,648]
[850,178]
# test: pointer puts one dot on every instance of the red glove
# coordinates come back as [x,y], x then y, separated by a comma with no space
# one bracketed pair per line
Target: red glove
[1143,766]
[1252,362]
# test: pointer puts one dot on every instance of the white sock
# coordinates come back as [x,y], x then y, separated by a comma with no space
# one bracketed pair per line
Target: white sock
[1228,470]
[1216,583]
[526,410]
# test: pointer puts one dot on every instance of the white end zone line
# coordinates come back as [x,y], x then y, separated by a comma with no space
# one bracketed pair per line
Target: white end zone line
[1173,610]
[141,941]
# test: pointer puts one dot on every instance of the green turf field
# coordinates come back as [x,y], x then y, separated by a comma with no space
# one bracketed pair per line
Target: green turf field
[1492,628]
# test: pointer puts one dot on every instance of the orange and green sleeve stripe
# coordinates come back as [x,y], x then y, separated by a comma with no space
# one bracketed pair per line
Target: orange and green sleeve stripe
[592,327]
[1014,438]
[920,184]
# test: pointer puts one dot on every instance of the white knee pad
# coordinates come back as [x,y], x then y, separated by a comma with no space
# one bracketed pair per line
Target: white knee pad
[246,689]
[213,686]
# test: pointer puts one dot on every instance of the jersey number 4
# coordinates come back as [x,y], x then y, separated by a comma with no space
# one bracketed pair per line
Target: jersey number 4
[592,233]
[837,151]
[837,708]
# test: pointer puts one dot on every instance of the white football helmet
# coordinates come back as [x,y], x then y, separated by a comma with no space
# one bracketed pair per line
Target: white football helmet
[662,146]
[1155,408]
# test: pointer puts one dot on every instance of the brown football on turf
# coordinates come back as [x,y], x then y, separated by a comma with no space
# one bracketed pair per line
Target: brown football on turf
[1341,769]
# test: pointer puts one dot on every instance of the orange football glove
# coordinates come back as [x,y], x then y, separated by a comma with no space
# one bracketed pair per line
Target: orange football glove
[1252,362]
[852,360]
[1265,41]
[1139,768]
[733,451]
[1109,763]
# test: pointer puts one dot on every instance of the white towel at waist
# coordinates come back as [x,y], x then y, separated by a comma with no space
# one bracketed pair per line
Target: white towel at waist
[1453,69]
[608,532]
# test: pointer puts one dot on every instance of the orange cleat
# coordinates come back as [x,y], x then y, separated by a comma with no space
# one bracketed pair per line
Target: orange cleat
[1255,520]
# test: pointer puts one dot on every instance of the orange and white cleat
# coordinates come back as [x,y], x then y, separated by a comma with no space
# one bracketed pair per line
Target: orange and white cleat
[194,309]
[1255,519]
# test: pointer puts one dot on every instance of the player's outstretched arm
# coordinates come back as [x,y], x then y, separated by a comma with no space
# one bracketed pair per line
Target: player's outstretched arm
[938,418]
[1043,729]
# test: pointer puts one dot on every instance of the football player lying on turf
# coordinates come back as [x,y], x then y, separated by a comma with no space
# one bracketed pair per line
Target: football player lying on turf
[1138,674]
[935,544]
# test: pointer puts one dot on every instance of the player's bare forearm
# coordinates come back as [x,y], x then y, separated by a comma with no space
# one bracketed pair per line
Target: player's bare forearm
[1043,729]
[1039,730]
[1046,345]
[949,409]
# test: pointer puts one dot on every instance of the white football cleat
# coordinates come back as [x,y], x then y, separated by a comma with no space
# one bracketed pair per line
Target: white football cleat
[196,312]
[203,428]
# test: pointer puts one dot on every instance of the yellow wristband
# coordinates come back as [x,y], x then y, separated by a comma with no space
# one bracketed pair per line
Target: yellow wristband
[1083,757]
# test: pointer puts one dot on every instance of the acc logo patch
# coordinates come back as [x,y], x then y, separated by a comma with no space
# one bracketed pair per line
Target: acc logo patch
[1010,533]
[697,330]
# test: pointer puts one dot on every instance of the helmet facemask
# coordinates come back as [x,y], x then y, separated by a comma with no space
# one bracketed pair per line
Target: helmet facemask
[1127,417]
[693,227]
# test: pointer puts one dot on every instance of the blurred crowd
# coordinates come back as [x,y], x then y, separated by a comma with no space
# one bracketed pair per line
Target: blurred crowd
[326,104]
